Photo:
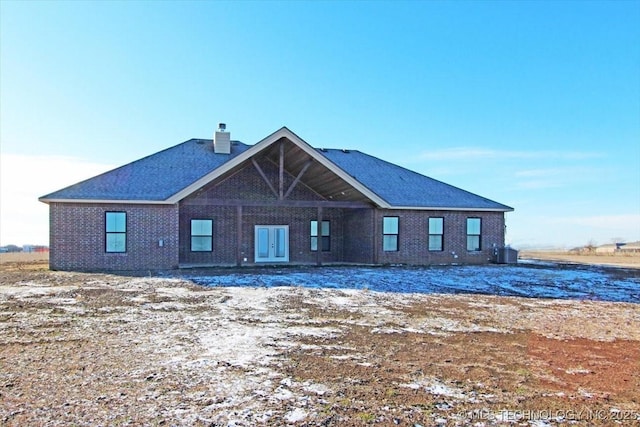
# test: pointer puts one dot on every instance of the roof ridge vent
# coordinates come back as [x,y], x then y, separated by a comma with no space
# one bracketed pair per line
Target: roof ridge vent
[222,140]
[345,150]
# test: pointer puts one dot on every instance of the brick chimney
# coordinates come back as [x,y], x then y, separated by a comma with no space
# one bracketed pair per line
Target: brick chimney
[222,140]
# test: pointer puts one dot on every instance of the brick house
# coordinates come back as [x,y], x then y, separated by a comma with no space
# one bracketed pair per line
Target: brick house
[222,202]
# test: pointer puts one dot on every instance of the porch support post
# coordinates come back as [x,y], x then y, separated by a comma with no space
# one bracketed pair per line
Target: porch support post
[376,232]
[239,236]
[281,176]
[319,245]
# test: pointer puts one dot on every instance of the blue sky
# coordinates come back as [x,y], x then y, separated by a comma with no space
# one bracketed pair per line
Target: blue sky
[533,104]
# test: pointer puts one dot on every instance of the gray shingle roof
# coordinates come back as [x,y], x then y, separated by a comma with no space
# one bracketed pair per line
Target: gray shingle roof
[403,187]
[157,177]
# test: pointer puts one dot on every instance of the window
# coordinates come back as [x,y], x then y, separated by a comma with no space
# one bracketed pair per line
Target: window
[390,233]
[116,232]
[201,235]
[436,231]
[325,235]
[474,227]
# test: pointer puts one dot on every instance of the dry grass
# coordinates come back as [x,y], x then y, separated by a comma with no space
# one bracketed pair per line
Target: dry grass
[627,260]
[38,258]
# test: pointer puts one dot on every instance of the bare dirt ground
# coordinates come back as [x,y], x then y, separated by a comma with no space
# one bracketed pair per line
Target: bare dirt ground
[99,349]
[627,260]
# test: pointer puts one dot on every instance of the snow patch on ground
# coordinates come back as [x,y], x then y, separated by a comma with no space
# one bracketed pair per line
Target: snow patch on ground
[177,292]
[236,339]
[535,280]
[296,415]
[434,386]
[166,305]
[577,371]
[29,289]
[319,389]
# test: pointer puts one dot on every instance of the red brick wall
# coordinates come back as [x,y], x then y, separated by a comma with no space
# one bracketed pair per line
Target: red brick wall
[78,230]
[358,239]
[77,237]
[414,234]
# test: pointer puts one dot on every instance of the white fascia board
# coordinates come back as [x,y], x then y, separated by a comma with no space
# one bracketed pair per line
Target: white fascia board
[440,208]
[263,144]
[105,201]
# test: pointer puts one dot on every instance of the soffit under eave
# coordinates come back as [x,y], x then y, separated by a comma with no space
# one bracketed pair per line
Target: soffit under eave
[349,180]
[315,176]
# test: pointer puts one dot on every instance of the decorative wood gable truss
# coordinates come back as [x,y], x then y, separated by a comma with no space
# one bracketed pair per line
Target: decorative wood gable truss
[295,158]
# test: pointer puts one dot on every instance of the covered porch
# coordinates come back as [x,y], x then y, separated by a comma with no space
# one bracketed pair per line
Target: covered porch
[284,205]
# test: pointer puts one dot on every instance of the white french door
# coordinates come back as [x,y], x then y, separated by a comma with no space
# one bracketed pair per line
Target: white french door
[272,243]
